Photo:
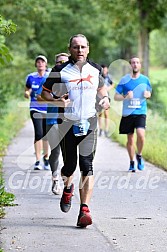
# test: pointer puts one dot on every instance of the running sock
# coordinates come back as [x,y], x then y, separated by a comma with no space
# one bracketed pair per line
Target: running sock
[67,189]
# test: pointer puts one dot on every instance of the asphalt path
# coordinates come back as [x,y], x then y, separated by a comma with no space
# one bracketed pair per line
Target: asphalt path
[129,210]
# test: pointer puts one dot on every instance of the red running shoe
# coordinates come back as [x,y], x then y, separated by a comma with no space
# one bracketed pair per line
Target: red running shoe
[84,218]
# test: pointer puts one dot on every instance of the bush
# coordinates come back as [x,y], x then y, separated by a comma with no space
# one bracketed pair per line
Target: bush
[158,101]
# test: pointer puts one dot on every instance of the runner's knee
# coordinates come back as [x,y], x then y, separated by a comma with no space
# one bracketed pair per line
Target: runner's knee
[67,171]
[86,166]
[38,136]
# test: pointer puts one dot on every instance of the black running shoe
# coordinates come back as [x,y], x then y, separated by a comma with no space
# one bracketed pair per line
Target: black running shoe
[65,203]
[84,218]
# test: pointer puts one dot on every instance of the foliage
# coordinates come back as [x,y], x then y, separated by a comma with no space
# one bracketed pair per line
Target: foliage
[13,80]
[155,145]
[152,13]
[158,46]
[158,101]
[41,30]
[133,21]
[6,197]
[44,27]
[60,20]
[6,28]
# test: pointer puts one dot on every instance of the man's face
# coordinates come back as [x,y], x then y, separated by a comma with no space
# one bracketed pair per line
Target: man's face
[105,71]
[79,49]
[61,59]
[136,65]
[41,65]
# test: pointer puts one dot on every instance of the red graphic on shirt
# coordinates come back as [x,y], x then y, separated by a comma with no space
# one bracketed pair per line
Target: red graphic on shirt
[83,79]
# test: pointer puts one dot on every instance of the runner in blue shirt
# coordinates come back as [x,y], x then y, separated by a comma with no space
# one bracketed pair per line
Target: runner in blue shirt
[37,110]
[134,89]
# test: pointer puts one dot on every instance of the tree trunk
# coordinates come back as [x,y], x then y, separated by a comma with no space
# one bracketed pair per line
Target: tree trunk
[143,50]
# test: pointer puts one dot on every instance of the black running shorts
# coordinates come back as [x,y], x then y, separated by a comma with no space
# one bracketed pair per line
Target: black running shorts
[39,122]
[70,145]
[129,123]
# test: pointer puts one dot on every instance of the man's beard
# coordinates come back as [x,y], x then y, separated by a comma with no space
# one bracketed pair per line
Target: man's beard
[135,71]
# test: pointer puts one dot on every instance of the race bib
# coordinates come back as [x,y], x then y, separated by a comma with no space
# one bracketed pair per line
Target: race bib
[134,103]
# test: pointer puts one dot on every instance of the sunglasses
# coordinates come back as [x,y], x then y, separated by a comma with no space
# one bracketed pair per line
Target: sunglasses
[60,62]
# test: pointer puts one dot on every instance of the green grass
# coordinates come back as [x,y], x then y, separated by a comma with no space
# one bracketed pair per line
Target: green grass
[155,144]
[158,74]
[13,119]
[158,102]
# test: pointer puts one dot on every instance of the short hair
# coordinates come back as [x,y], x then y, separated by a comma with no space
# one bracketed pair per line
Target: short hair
[103,65]
[133,56]
[61,54]
[76,36]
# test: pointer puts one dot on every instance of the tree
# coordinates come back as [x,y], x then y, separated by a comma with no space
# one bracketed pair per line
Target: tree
[151,15]
[45,27]
[133,21]
[6,28]
[115,29]
[158,46]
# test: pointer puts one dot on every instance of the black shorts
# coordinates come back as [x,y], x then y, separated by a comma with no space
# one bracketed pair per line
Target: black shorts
[131,122]
[69,146]
[39,122]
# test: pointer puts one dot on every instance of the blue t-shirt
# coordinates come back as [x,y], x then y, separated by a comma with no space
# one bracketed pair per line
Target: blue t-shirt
[33,82]
[137,105]
[52,111]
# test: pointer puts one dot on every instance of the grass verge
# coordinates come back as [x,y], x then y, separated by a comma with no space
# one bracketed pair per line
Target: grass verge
[13,119]
[155,144]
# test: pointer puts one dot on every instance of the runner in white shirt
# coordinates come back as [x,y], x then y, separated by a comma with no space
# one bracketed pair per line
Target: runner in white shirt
[81,80]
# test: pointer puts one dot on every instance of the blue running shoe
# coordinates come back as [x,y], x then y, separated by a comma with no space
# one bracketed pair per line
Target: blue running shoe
[140,162]
[46,164]
[37,165]
[132,167]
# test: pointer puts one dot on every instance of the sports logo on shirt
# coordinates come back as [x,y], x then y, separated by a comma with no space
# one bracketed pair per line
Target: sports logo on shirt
[88,79]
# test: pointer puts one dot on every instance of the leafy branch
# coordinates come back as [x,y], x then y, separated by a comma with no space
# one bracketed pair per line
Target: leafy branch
[6,28]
